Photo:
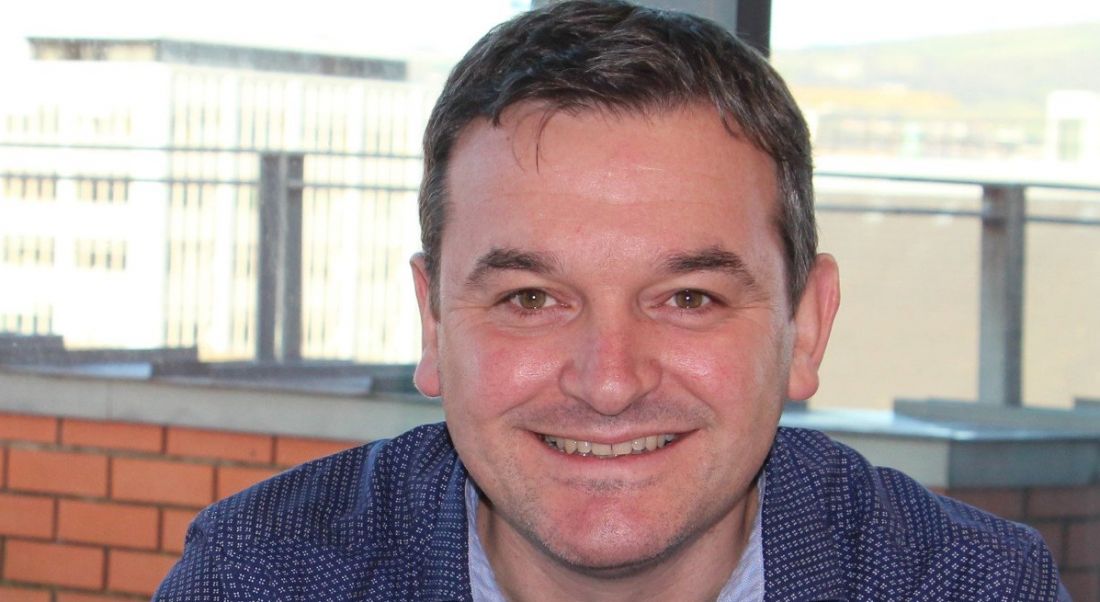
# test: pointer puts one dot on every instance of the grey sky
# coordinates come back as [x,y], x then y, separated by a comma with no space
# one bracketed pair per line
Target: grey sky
[801,23]
[446,27]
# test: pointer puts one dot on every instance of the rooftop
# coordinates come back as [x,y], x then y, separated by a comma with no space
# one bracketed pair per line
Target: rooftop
[215,55]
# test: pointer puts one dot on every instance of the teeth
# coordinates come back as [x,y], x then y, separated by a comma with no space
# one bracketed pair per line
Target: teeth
[640,445]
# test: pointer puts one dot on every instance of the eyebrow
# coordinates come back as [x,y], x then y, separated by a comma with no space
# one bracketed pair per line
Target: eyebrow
[498,259]
[711,259]
[714,259]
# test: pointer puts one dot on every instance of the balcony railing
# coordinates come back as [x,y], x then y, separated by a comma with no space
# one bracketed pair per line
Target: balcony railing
[277,256]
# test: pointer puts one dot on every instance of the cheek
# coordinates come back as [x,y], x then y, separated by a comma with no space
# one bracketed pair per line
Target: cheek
[740,369]
[493,373]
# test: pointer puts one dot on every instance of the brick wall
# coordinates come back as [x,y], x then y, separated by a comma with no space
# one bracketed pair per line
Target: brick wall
[94,511]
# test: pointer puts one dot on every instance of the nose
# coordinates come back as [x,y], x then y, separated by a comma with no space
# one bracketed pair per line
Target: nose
[613,364]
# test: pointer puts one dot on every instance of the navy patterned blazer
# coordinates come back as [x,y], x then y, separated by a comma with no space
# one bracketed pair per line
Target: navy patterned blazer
[387,521]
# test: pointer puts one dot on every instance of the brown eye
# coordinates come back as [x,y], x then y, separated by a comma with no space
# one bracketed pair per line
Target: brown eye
[531,299]
[689,299]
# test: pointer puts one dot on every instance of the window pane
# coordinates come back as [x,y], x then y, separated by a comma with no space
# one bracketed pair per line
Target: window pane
[131,135]
[949,91]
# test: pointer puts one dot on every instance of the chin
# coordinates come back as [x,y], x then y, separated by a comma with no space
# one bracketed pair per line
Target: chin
[610,548]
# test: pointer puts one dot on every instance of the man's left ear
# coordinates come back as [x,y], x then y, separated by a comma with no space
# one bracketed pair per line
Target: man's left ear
[426,375]
[813,321]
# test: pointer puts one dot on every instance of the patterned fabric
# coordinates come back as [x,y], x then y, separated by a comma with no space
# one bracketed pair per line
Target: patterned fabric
[387,521]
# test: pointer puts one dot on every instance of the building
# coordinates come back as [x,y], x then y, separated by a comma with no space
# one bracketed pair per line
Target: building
[129,190]
[1073,126]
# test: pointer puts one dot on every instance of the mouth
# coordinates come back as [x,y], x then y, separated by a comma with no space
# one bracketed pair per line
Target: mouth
[640,445]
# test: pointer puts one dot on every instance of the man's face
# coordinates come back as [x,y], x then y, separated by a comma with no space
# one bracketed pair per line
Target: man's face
[611,285]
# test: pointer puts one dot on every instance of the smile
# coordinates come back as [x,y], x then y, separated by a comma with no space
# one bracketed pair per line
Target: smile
[640,445]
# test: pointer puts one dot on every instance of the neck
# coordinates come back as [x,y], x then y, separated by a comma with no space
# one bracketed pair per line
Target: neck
[697,569]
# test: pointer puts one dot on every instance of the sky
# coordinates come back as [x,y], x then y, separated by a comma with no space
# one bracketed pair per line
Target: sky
[805,23]
[440,28]
[365,27]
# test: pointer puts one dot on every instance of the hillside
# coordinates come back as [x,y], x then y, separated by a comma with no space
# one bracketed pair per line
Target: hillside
[995,73]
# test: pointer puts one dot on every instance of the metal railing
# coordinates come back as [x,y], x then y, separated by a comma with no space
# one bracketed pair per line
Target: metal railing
[217,238]
[1003,217]
[274,275]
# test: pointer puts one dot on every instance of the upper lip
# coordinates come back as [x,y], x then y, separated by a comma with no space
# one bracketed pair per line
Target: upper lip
[615,438]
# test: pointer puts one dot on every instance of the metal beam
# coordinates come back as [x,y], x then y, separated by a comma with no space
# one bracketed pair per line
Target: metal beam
[754,23]
[1000,360]
[279,281]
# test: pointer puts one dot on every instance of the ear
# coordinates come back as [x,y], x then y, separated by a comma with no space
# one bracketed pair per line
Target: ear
[813,321]
[426,377]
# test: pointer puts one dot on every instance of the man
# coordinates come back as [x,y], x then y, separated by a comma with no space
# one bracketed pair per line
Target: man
[619,288]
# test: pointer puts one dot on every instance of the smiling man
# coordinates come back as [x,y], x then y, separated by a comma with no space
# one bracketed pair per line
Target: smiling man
[619,289]
[612,342]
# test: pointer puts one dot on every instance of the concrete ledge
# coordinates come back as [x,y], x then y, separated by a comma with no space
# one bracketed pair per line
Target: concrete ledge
[217,406]
[941,444]
[965,445]
[1084,419]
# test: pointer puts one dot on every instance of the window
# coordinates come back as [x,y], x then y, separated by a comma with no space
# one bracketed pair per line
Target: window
[28,250]
[943,93]
[29,188]
[100,254]
[37,320]
[150,149]
[1070,139]
[102,190]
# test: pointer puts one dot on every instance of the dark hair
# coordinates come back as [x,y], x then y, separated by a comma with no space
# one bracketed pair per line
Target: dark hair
[612,55]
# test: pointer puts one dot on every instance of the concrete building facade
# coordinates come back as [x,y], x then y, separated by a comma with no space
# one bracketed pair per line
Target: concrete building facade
[129,193]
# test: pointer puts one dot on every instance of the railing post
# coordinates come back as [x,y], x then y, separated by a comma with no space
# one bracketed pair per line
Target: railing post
[1004,213]
[279,283]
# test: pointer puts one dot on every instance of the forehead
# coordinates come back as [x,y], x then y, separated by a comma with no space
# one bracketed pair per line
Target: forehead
[613,179]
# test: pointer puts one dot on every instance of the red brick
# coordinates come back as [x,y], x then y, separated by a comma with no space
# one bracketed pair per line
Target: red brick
[112,435]
[1064,502]
[173,528]
[109,524]
[295,450]
[57,472]
[21,594]
[232,479]
[20,427]
[1083,545]
[1006,503]
[26,515]
[53,563]
[162,481]
[3,467]
[1082,585]
[75,597]
[137,572]
[227,445]
[1054,534]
